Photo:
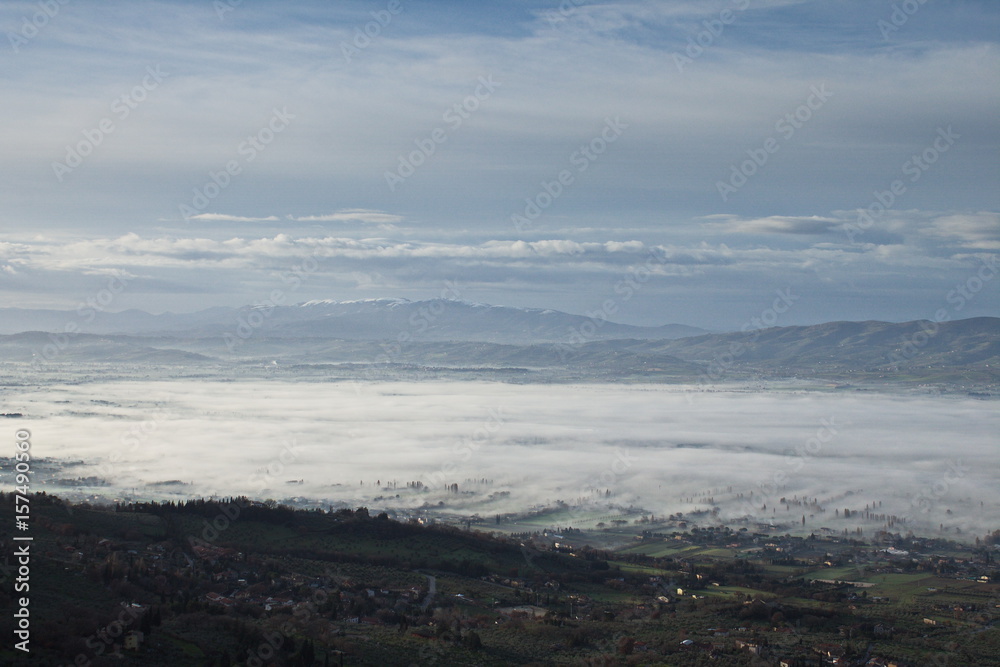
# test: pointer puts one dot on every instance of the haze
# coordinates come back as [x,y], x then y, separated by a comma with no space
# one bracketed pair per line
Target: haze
[659,449]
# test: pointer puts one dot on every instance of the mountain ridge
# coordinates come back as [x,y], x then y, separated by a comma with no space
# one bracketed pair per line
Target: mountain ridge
[957,353]
[367,319]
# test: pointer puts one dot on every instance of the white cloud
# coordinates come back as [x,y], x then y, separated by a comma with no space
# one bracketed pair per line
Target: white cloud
[353,215]
[775,224]
[222,217]
[354,120]
[362,215]
[974,230]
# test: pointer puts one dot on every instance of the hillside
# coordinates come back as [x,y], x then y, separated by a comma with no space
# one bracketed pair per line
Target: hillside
[370,319]
[850,347]
[237,581]
[963,353]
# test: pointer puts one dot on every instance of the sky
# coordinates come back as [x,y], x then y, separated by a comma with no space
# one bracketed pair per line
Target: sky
[708,154]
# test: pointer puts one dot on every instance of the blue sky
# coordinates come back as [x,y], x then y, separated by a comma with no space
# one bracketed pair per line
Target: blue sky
[719,150]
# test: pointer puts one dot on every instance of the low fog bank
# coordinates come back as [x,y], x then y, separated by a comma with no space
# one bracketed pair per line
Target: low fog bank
[793,460]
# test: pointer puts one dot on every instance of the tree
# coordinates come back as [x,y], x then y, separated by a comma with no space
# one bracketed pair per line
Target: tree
[473,641]
[307,654]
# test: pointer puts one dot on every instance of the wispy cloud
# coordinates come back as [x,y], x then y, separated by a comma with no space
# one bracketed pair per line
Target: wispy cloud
[561,78]
[353,215]
[222,217]
[978,231]
[913,254]
[775,224]
[360,215]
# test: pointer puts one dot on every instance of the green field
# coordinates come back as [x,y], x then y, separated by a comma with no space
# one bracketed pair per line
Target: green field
[632,568]
[673,549]
[845,573]
[738,591]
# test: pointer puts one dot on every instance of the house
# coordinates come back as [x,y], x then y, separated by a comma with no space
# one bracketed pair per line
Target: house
[271,604]
[691,645]
[133,640]
[216,598]
[830,650]
[882,630]
[213,554]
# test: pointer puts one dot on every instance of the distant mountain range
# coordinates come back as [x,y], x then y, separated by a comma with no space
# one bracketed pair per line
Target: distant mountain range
[459,337]
[370,319]
[968,342]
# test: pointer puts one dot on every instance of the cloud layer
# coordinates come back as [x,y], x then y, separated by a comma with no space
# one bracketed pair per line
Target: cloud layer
[147,129]
[904,265]
[655,447]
